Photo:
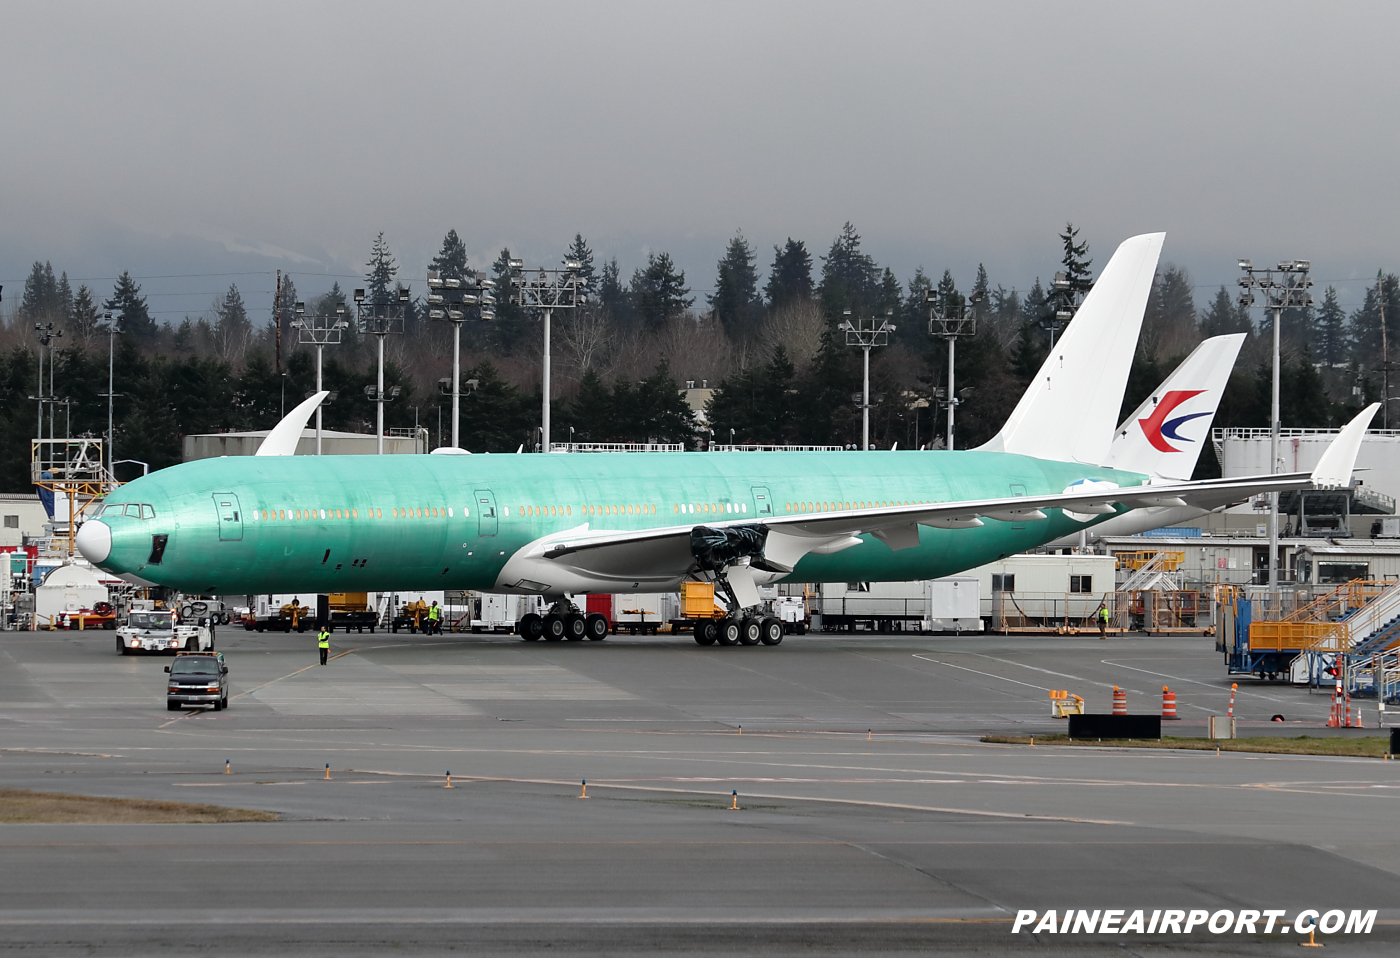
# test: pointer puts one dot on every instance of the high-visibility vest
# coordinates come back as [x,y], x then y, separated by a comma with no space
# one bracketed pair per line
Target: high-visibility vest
[1103,615]
[433,613]
[324,639]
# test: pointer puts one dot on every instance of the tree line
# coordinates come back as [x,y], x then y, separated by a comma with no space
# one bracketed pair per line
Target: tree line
[765,339]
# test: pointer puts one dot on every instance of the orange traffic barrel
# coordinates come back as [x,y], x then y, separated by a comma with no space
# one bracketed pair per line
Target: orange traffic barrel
[1168,705]
[1120,701]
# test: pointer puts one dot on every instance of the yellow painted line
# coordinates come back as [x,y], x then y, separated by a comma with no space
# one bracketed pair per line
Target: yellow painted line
[254,689]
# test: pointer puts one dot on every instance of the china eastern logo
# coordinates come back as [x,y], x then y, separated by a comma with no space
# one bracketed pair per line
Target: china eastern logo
[1158,428]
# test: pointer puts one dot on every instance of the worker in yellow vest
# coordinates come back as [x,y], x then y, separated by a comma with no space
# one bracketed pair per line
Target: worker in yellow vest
[434,619]
[323,641]
[1101,617]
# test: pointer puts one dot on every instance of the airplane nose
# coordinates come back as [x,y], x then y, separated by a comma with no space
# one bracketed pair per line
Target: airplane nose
[95,541]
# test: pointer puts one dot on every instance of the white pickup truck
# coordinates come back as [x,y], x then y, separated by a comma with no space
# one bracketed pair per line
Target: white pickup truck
[159,631]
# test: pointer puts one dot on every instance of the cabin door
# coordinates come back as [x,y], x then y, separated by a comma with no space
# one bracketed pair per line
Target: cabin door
[230,517]
[762,502]
[486,521]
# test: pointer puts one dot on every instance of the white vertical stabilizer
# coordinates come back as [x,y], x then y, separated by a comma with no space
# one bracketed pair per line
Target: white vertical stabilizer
[1164,436]
[1068,412]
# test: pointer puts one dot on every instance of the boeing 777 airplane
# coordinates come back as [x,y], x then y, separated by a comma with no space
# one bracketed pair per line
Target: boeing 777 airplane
[561,525]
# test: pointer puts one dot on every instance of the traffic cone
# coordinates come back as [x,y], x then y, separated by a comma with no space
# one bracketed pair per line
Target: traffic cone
[1335,719]
[1168,705]
[1120,701]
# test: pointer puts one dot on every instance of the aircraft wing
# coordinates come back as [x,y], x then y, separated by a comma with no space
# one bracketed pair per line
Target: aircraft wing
[778,543]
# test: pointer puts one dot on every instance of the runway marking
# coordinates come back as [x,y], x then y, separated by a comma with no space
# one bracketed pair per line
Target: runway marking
[989,675]
[982,813]
[1217,688]
[255,688]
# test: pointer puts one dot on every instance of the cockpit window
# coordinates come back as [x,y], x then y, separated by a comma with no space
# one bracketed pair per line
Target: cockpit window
[137,510]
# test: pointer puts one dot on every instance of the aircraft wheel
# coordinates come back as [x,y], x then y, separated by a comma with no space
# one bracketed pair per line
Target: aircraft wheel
[596,626]
[575,627]
[706,632]
[772,631]
[553,628]
[727,632]
[530,627]
[750,631]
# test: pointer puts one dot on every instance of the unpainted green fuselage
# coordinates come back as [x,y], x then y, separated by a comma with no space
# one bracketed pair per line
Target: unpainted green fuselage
[377,523]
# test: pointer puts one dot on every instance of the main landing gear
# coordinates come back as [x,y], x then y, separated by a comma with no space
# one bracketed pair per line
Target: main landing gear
[563,622]
[739,630]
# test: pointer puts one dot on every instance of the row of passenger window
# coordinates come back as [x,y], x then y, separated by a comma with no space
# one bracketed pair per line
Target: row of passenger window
[416,512]
[843,506]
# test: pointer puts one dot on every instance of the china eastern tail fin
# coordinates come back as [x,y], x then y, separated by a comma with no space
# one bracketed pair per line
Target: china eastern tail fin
[1164,436]
[1068,411]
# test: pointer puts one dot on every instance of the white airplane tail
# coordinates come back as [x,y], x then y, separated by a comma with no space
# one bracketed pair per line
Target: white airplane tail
[1067,413]
[1164,436]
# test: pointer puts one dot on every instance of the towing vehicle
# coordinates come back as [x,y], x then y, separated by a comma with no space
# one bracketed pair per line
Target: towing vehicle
[160,631]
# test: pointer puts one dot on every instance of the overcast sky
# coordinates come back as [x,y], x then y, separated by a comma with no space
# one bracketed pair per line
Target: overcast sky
[230,140]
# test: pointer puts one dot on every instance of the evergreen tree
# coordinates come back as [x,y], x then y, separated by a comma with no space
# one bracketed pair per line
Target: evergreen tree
[1035,308]
[1224,316]
[328,305]
[654,410]
[1330,343]
[1169,320]
[1076,261]
[1005,305]
[85,317]
[591,412]
[790,280]
[981,289]
[916,307]
[379,280]
[850,278]
[510,327]
[63,298]
[659,291]
[234,330]
[451,260]
[128,309]
[735,302]
[580,253]
[757,402]
[613,295]
[40,301]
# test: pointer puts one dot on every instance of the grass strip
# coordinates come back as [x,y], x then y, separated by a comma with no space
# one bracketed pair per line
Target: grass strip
[20,807]
[1369,747]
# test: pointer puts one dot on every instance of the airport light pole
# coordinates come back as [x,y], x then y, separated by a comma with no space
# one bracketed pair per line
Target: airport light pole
[111,369]
[319,331]
[1286,290]
[449,298]
[865,334]
[949,318]
[379,320]
[48,333]
[548,290]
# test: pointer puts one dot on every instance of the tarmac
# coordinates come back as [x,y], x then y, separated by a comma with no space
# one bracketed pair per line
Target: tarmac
[870,819]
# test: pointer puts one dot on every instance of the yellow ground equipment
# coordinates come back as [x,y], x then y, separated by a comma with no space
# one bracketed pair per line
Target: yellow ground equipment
[1063,704]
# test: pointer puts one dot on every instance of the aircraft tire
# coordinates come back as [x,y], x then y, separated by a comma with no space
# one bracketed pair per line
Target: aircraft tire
[553,628]
[706,632]
[596,625]
[727,632]
[530,627]
[575,627]
[772,631]
[750,631]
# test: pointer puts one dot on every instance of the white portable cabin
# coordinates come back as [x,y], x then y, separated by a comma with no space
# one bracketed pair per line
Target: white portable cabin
[67,587]
[952,604]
